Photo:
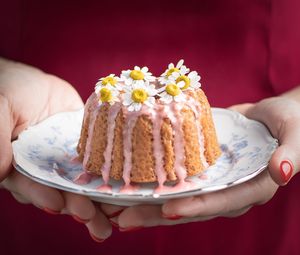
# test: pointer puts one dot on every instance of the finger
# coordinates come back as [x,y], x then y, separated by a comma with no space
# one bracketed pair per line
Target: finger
[136,217]
[99,227]
[81,208]
[5,138]
[111,211]
[40,195]
[20,198]
[256,191]
[237,213]
[285,162]
[241,108]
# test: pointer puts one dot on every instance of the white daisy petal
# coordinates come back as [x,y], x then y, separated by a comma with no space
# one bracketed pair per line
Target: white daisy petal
[181,84]
[170,66]
[175,75]
[149,104]
[164,73]
[192,74]
[180,63]
[130,108]
[151,100]
[145,69]
[183,70]
[139,83]
[179,98]
[159,90]
[137,106]
[128,81]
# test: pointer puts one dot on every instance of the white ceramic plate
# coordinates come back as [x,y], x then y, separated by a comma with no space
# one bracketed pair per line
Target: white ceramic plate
[44,152]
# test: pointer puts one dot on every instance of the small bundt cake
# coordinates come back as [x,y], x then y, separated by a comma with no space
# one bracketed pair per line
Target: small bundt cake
[142,129]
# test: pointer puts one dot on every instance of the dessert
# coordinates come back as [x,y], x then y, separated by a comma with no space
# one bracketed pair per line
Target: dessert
[139,128]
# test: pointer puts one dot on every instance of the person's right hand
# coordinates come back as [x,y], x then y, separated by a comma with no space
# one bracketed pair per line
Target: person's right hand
[282,117]
[27,96]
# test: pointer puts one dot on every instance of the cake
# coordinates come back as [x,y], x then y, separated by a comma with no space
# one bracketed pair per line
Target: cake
[138,128]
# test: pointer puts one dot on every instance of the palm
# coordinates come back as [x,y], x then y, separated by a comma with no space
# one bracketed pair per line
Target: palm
[33,96]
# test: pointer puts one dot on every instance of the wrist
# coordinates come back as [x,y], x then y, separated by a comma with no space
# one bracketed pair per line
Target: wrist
[293,94]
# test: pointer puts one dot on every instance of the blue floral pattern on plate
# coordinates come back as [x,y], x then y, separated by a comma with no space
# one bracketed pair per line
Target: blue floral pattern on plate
[44,152]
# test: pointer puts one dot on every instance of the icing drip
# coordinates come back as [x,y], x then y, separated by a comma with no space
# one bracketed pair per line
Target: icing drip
[105,188]
[84,178]
[173,113]
[157,116]
[130,120]
[112,115]
[179,187]
[88,147]
[158,151]
[196,108]
[129,189]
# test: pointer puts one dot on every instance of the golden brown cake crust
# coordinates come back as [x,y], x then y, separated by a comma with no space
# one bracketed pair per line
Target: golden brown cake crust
[143,161]
[212,148]
[116,170]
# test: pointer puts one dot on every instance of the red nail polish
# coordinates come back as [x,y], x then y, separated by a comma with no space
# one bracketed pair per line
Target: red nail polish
[116,225]
[115,214]
[76,218]
[50,211]
[130,229]
[96,239]
[172,217]
[286,170]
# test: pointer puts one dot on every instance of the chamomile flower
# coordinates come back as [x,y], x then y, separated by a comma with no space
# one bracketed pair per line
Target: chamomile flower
[172,91]
[138,94]
[179,68]
[108,94]
[191,81]
[111,80]
[137,76]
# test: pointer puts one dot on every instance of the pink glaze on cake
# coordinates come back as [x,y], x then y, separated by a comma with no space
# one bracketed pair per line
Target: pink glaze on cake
[156,114]
[112,115]
[164,131]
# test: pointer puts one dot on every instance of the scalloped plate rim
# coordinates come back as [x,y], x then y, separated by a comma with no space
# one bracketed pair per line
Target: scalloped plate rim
[129,198]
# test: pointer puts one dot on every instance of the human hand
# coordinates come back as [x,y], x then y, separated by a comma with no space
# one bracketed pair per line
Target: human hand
[282,117]
[27,96]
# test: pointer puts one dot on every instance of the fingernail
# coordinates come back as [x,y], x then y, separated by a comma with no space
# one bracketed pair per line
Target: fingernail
[115,224]
[286,170]
[50,211]
[96,239]
[172,217]
[130,229]
[115,214]
[83,221]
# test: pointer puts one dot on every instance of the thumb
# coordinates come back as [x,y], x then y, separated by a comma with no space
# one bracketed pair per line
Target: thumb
[241,108]
[285,161]
[281,166]
[285,126]
[5,138]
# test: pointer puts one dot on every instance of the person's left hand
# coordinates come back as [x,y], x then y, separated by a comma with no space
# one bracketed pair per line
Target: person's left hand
[237,200]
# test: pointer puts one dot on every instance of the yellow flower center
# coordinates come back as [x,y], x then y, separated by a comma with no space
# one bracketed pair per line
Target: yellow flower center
[109,80]
[137,75]
[139,95]
[172,70]
[105,95]
[186,80]
[173,89]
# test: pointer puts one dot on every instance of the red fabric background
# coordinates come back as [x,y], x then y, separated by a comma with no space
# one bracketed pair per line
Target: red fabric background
[244,51]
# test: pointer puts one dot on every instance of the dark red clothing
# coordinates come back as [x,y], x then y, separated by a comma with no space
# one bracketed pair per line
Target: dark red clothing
[244,51]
